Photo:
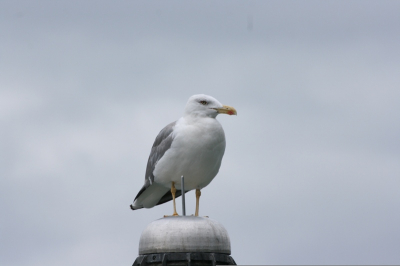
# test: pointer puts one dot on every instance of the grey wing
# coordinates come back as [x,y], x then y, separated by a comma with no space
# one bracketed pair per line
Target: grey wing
[161,145]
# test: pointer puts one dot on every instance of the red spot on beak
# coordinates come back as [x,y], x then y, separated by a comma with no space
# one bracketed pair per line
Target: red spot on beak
[230,113]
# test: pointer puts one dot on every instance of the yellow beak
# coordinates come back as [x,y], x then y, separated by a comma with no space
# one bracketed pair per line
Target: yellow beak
[225,109]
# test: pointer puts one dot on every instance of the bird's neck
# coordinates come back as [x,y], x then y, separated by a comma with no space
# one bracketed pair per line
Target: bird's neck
[197,117]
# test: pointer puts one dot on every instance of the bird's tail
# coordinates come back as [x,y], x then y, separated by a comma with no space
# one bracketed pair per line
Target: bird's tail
[149,197]
[133,207]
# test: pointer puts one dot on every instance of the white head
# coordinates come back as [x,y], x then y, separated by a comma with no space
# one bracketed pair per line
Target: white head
[204,105]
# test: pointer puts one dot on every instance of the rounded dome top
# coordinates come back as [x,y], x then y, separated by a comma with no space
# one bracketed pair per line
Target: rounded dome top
[184,234]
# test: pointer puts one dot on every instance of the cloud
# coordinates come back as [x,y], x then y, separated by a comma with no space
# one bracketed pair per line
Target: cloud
[310,171]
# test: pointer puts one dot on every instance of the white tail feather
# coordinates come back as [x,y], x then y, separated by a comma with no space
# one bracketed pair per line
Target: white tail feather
[150,197]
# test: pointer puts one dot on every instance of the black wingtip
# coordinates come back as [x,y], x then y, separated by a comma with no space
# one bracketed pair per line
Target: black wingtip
[132,207]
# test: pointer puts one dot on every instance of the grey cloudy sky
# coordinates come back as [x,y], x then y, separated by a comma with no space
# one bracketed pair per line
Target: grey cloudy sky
[311,173]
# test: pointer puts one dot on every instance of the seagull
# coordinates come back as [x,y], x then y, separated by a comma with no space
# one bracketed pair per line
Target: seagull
[192,146]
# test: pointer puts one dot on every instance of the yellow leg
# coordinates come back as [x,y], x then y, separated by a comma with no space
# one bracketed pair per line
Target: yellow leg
[198,194]
[173,191]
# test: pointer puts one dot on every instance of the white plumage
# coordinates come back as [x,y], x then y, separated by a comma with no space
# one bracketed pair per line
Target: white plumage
[193,146]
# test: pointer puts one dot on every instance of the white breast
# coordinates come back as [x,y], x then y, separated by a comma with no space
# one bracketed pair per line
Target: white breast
[196,153]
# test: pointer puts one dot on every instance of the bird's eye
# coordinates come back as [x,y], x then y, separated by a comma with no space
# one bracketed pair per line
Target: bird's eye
[203,102]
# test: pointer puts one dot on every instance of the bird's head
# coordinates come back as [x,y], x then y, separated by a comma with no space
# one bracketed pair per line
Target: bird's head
[204,105]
